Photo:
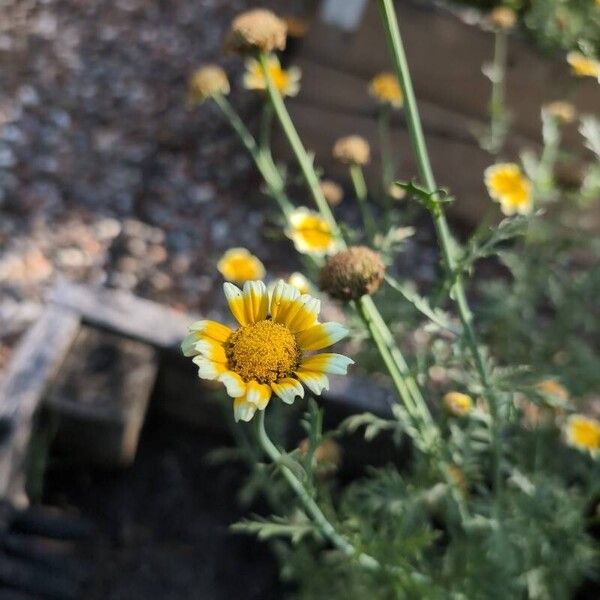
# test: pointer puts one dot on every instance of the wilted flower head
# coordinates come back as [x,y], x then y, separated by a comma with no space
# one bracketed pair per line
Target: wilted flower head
[287,81]
[385,88]
[256,30]
[310,232]
[239,265]
[457,403]
[503,17]
[562,111]
[352,150]
[583,66]
[507,185]
[352,273]
[299,282]
[583,433]
[270,350]
[332,191]
[207,81]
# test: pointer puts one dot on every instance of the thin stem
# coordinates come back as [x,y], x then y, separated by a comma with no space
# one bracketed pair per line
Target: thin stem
[314,512]
[387,161]
[261,157]
[302,157]
[441,225]
[360,188]
[497,110]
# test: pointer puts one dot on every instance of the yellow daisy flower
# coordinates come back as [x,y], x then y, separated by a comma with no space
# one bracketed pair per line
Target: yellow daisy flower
[238,265]
[299,282]
[583,433]
[287,81]
[385,88]
[583,66]
[458,404]
[310,233]
[271,350]
[507,185]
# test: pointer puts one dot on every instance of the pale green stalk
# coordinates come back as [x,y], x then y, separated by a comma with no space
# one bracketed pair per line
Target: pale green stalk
[360,188]
[446,241]
[409,392]
[497,101]
[262,158]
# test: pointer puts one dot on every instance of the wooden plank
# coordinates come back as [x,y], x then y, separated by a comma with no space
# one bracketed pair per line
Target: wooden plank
[446,55]
[125,313]
[101,396]
[36,360]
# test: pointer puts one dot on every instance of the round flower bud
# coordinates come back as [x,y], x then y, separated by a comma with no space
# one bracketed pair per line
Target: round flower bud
[352,273]
[503,17]
[352,150]
[206,82]
[257,29]
[332,191]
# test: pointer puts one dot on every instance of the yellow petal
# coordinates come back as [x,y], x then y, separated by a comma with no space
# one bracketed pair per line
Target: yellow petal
[256,301]
[212,329]
[211,350]
[208,369]
[234,384]
[287,389]
[336,364]
[236,303]
[258,394]
[315,382]
[320,336]
[283,297]
[302,313]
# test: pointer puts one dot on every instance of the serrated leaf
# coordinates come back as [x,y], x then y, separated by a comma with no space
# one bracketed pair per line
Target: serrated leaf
[296,527]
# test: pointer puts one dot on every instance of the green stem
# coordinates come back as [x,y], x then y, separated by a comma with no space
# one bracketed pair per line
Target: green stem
[312,509]
[388,171]
[360,188]
[261,157]
[298,149]
[497,110]
[441,225]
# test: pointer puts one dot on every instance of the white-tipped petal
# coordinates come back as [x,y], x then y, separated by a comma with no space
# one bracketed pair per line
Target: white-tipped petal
[212,329]
[303,313]
[243,410]
[282,299]
[208,369]
[258,394]
[315,382]
[328,362]
[256,301]
[321,335]
[234,384]
[287,389]
[211,349]
[235,300]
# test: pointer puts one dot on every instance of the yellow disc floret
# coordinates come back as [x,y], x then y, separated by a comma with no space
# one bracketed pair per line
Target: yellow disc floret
[265,352]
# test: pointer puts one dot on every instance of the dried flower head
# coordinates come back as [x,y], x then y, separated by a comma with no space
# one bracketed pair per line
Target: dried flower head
[270,351]
[333,192]
[352,273]
[457,403]
[385,88]
[562,111]
[503,17]
[352,150]
[507,185]
[583,433]
[310,232]
[583,66]
[287,81]
[239,265]
[396,192]
[206,82]
[256,30]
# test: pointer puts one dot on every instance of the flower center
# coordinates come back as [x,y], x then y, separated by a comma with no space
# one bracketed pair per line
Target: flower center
[264,352]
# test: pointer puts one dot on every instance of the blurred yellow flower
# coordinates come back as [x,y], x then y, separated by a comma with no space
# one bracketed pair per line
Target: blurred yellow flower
[562,111]
[507,185]
[503,17]
[287,81]
[385,88]
[310,232]
[272,349]
[457,403]
[299,282]
[583,433]
[238,265]
[583,66]
[205,82]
